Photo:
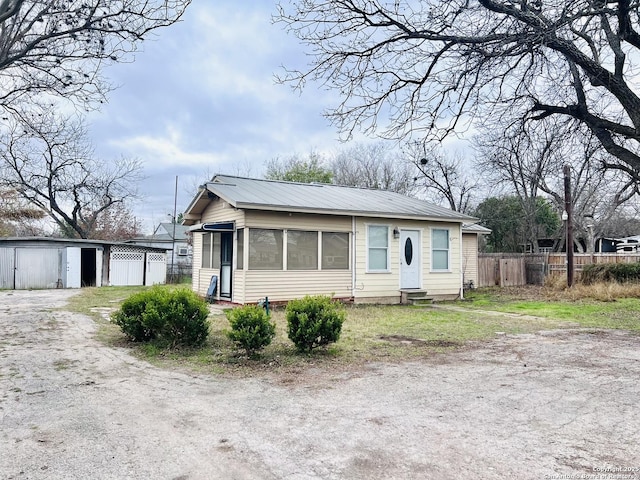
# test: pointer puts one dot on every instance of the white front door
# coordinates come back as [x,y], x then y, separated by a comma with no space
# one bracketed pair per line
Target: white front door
[74,267]
[410,261]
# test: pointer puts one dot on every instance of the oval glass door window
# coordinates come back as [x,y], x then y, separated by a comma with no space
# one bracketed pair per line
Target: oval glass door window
[408,251]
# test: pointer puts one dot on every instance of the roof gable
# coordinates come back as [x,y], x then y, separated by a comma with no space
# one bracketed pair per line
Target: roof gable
[256,194]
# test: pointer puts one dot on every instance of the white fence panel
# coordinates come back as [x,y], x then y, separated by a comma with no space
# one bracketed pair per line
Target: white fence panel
[126,268]
[156,268]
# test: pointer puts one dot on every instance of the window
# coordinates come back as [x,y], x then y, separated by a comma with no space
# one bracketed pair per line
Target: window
[378,248]
[211,250]
[335,251]
[183,251]
[265,249]
[302,250]
[440,249]
[240,249]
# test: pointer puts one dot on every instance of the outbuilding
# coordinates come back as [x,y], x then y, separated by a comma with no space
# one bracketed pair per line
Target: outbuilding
[283,240]
[43,262]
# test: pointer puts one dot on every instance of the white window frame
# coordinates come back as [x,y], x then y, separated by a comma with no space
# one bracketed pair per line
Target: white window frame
[448,269]
[368,268]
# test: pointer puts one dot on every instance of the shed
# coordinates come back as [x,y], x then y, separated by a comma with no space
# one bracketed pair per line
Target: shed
[284,240]
[43,262]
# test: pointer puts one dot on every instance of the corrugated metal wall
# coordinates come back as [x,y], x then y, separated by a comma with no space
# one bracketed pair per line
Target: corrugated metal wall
[38,267]
[7,257]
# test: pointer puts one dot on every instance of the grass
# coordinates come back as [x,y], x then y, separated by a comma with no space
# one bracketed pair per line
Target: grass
[380,333]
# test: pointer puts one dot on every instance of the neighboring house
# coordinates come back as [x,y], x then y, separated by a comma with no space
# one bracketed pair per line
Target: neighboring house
[284,240]
[42,262]
[470,234]
[175,241]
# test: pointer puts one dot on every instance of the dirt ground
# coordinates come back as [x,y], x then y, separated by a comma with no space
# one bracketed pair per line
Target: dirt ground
[550,405]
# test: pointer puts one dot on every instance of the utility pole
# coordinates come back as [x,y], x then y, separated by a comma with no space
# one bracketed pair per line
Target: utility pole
[173,235]
[569,223]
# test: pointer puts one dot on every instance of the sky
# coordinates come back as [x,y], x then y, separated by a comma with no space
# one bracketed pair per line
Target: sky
[200,98]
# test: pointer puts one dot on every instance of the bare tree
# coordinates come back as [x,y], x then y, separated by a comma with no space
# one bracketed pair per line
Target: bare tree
[443,178]
[49,161]
[440,66]
[529,162]
[58,47]
[374,165]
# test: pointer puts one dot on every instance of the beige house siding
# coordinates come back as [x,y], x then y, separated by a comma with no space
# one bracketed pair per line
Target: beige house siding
[444,284]
[196,264]
[297,221]
[470,257]
[285,285]
[220,211]
[385,286]
[204,278]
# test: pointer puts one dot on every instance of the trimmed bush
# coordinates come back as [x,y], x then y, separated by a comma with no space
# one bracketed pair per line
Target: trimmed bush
[610,272]
[314,321]
[250,328]
[177,317]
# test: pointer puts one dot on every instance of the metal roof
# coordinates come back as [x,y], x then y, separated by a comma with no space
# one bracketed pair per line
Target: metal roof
[256,194]
[475,228]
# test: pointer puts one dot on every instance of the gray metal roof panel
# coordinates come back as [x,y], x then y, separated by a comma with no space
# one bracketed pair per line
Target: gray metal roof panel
[278,195]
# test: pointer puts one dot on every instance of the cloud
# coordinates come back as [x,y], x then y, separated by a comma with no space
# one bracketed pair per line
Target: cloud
[201,97]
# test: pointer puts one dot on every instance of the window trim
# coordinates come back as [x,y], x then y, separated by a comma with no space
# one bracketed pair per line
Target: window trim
[368,269]
[448,250]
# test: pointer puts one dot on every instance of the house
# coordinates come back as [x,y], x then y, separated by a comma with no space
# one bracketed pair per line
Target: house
[43,262]
[284,240]
[175,241]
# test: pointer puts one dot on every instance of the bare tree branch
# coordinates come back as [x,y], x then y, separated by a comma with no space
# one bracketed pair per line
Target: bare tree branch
[428,69]
[48,160]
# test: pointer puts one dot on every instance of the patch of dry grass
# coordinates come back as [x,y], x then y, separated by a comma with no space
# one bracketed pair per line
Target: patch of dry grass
[555,288]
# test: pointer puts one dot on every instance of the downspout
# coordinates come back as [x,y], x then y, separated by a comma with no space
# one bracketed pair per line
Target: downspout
[353,258]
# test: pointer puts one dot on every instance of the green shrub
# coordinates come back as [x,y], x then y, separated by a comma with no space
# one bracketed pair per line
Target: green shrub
[610,272]
[250,328]
[314,321]
[177,317]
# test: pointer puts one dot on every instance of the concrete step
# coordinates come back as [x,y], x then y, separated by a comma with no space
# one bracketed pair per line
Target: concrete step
[415,297]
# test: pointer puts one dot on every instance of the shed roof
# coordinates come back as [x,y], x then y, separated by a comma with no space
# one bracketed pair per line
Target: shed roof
[61,242]
[257,194]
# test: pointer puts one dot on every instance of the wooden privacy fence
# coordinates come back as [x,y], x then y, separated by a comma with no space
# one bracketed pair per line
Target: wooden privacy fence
[508,270]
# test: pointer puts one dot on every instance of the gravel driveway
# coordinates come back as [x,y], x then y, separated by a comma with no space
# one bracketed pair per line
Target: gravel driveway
[550,405]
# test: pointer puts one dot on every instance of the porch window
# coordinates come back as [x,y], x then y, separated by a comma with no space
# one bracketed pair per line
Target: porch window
[440,249]
[377,248]
[335,251]
[211,250]
[265,249]
[240,249]
[302,250]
